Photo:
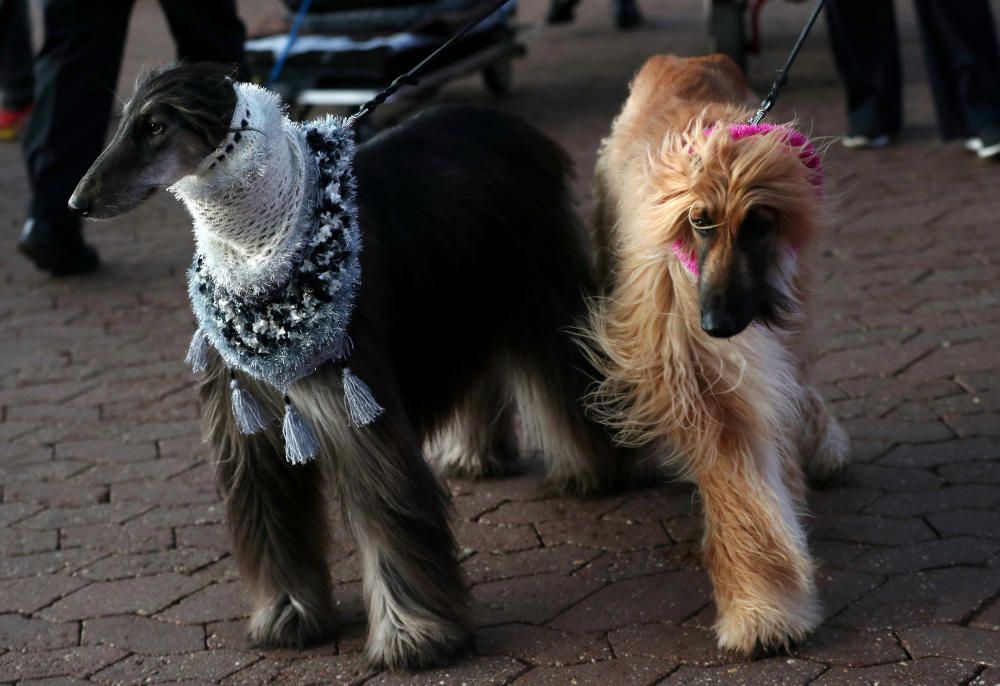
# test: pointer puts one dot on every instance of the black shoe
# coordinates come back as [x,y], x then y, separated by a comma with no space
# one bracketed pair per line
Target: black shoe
[627,14]
[61,252]
[562,11]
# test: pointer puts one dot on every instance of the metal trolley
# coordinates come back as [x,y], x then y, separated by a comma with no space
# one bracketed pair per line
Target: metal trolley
[346,55]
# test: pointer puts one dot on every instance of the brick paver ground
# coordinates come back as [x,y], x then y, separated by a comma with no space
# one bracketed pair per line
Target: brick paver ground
[114,561]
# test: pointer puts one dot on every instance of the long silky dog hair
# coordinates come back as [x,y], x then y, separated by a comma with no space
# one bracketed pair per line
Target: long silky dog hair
[706,226]
[474,270]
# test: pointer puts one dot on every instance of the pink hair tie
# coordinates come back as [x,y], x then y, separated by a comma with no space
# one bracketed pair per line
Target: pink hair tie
[796,139]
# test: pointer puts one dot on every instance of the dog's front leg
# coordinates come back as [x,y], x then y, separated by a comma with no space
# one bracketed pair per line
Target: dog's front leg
[755,546]
[277,516]
[397,511]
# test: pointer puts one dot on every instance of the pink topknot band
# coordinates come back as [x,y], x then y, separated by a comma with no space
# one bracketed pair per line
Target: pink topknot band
[794,138]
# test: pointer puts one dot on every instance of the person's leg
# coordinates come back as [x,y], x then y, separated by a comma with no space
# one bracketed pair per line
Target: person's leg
[963,63]
[16,78]
[206,31]
[75,76]
[866,50]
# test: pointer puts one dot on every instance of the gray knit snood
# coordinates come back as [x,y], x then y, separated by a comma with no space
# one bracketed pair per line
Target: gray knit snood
[277,264]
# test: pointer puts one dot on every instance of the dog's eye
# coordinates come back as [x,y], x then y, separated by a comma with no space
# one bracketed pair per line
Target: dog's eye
[702,224]
[155,128]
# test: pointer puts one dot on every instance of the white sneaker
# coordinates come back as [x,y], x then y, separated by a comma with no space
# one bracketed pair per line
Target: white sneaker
[986,144]
[879,141]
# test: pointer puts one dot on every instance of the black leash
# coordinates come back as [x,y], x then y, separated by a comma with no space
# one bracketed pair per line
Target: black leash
[410,78]
[782,77]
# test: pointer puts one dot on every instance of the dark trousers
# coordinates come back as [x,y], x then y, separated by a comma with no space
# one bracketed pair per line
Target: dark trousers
[76,73]
[960,48]
[16,79]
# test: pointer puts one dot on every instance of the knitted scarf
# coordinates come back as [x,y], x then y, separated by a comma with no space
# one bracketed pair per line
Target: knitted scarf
[277,267]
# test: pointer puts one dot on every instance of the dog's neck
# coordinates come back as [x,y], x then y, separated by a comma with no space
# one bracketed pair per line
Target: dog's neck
[253,199]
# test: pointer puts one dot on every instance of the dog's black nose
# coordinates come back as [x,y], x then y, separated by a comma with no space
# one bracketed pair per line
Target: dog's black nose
[720,324]
[79,205]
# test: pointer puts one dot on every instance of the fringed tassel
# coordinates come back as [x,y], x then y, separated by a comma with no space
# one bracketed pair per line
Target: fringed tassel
[301,444]
[361,405]
[197,354]
[250,416]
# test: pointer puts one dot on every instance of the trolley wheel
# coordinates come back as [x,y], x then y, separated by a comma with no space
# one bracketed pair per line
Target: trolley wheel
[499,76]
[727,28]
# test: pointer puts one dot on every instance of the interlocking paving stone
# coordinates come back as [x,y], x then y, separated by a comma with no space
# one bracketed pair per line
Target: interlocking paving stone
[965,643]
[950,552]
[344,669]
[927,672]
[606,535]
[988,617]
[489,539]
[534,599]
[208,666]
[541,646]
[617,566]
[211,604]
[142,635]
[128,538]
[558,559]
[46,563]
[991,677]
[28,594]
[966,523]
[690,645]
[147,564]
[774,672]
[626,671]
[940,596]
[672,597]
[937,454]
[80,662]
[480,671]
[112,531]
[833,646]
[144,596]
[21,633]
[871,529]
[23,541]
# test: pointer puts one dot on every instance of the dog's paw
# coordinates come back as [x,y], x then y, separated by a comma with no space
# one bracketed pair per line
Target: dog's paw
[472,467]
[832,454]
[452,460]
[756,628]
[287,623]
[414,645]
[584,483]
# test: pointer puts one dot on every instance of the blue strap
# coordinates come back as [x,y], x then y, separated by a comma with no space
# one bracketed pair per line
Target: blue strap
[279,64]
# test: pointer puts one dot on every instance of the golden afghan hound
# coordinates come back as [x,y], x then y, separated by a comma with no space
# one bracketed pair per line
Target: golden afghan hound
[705,226]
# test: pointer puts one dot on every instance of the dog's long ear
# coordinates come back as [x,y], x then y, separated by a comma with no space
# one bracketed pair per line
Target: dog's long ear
[202,94]
[671,172]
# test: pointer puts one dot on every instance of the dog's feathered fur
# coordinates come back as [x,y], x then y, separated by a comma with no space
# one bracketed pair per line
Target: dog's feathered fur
[475,266]
[734,414]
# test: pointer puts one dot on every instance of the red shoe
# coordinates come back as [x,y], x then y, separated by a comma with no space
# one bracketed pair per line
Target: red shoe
[11,121]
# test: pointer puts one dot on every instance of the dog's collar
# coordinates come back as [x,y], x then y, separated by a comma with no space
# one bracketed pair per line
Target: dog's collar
[286,332]
[794,139]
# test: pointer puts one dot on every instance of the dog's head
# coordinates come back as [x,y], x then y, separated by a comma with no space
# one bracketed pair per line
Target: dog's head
[735,204]
[176,117]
